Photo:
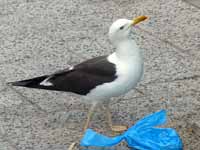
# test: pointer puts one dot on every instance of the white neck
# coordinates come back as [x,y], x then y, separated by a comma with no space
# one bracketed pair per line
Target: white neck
[127,50]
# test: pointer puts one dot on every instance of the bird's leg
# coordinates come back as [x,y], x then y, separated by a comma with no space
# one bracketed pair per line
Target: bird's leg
[71,147]
[89,115]
[115,128]
[139,91]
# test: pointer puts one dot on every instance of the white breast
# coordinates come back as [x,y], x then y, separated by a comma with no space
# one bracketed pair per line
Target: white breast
[129,73]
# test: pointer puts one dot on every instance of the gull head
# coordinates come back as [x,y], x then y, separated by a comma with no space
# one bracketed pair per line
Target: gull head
[120,29]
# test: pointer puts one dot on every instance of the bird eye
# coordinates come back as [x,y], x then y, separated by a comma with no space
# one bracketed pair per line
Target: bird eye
[121,28]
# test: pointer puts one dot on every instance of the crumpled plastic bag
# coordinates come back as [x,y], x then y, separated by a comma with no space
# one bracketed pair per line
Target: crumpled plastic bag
[142,136]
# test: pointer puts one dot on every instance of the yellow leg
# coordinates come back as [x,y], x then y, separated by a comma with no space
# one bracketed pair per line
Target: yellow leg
[139,91]
[71,147]
[115,128]
[89,116]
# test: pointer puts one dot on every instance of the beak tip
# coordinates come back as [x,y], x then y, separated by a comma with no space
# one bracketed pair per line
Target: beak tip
[139,19]
[145,17]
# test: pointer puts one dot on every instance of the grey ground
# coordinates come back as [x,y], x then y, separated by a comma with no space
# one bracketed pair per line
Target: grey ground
[40,36]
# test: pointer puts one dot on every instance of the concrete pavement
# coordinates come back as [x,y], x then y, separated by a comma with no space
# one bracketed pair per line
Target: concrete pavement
[40,36]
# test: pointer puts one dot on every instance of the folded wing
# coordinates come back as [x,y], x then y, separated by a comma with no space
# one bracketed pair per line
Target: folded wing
[79,79]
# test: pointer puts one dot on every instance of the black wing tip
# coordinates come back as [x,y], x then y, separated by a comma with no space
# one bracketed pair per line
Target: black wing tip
[17,83]
[9,83]
[34,82]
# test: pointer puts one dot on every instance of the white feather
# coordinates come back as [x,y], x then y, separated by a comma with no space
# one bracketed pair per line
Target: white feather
[46,82]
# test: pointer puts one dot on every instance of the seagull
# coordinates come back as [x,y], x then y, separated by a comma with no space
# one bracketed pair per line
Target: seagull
[99,79]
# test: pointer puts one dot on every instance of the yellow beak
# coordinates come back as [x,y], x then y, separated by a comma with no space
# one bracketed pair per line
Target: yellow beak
[138,20]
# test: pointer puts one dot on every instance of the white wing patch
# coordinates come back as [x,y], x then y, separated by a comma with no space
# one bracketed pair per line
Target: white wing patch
[46,82]
[71,67]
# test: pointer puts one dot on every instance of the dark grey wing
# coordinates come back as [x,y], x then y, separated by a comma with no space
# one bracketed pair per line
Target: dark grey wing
[81,79]
[85,76]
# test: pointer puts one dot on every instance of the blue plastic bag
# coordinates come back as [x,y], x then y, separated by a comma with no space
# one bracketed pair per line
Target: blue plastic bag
[142,136]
